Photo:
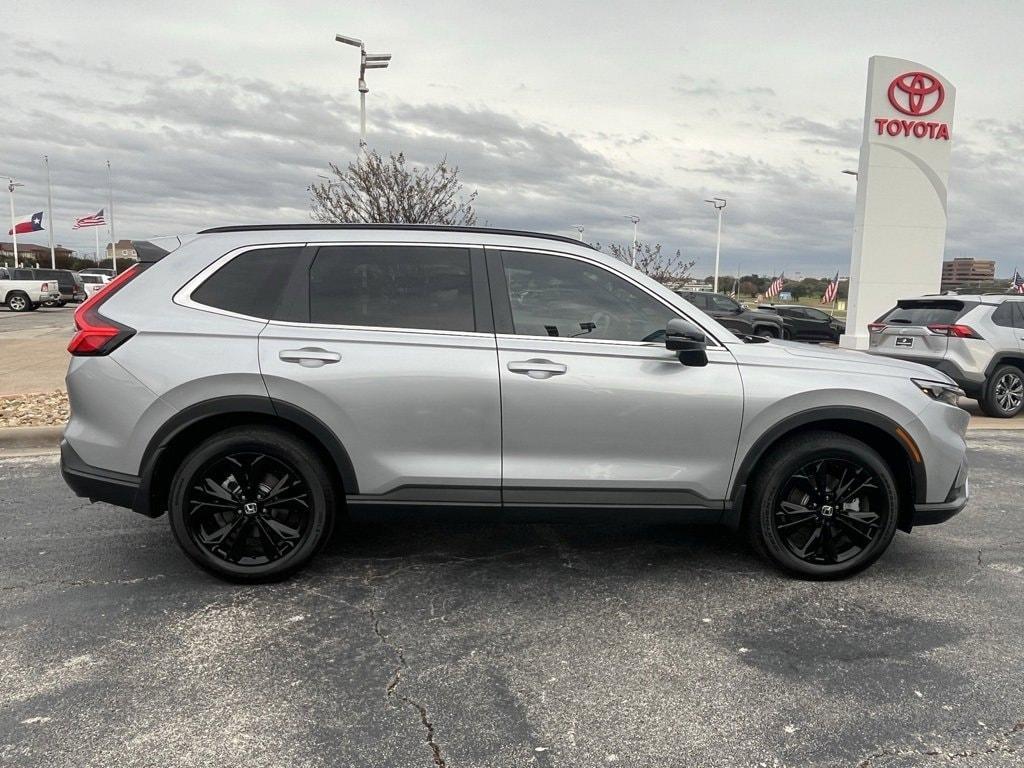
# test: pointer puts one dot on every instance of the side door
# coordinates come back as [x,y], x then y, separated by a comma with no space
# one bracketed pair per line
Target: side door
[819,324]
[595,410]
[393,350]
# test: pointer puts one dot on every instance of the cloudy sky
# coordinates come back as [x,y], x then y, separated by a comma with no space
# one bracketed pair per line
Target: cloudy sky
[559,113]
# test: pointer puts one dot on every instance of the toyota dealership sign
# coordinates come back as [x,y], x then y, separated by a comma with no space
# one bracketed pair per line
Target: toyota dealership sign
[900,222]
[917,94]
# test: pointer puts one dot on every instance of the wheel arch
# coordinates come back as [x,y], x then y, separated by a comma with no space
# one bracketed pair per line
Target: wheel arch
[1004,358]
[886,436]
[183,431]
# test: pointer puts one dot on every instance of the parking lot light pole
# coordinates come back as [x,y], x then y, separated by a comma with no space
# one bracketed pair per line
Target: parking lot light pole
[366,61]
[719,203]
[579,228]
[49,211]
[11,184]
[632,254]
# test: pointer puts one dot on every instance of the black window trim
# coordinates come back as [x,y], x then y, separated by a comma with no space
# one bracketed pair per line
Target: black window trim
[503,306]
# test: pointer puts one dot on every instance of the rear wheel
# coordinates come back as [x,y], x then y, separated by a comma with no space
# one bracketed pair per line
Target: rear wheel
[1004,393]
[18,302]
[766,331]
[251,504]
[825,506]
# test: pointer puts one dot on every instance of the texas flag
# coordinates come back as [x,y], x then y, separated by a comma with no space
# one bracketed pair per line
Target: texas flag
[33,224]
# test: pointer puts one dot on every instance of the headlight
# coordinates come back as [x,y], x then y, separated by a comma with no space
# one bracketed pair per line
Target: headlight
[940,390]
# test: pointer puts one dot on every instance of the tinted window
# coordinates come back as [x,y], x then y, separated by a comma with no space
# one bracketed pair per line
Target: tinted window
[557,296]
[699,300]
[816,314]
[392,286]
[925,312]
[1019,318]
[251,283]
[723,303]
[1003,314]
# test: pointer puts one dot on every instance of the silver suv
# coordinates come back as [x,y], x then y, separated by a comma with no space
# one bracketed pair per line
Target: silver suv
[978,341]
[261,383]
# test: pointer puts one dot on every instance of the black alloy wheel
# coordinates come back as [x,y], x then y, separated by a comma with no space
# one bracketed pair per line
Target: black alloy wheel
[251,504]
[825,506]
[825,512]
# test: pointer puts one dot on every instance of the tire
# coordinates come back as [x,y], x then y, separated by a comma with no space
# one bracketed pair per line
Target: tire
[18,301]
[766,331]
[1004,393]
[791,510]
[222,520]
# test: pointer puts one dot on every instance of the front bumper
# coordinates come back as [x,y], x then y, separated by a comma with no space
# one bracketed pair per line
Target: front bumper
[94,483]
[956,500]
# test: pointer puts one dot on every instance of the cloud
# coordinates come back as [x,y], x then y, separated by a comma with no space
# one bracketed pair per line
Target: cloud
[192,148]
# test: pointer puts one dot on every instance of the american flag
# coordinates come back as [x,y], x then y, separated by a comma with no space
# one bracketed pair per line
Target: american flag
[92,220]
[832,291]
[1018,282]
[776,287]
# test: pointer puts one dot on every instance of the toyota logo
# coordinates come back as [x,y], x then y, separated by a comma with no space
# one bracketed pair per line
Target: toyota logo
[916,93]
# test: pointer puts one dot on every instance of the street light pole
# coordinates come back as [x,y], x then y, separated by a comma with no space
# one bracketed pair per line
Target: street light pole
[11,184]
[719,203]
[49,211]
[579,228]
[632,257]
[366,61]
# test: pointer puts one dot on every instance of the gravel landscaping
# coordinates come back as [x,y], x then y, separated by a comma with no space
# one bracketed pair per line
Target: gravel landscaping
[41,409]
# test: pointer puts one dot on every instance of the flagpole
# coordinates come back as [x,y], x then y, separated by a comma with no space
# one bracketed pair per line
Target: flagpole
[113,241]
[14,225]
[97,231]
[49,212]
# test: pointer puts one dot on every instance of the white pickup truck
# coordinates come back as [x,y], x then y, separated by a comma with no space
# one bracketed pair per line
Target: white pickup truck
[25,295]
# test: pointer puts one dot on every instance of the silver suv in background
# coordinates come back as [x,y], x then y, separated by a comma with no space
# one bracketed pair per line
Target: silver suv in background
[978,341]
[260,383]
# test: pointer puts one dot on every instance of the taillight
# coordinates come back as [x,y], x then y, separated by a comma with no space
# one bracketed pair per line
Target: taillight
[44,287]
[953,329]
[876,327]
[98,335]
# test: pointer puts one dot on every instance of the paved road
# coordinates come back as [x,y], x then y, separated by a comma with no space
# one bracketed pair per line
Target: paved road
[456,645]
[33,349]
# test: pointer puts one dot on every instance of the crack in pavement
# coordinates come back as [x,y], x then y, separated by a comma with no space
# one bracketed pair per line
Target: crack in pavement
[393,684]
[997,745]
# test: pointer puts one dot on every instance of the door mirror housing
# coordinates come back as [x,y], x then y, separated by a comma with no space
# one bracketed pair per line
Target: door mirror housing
[689,341]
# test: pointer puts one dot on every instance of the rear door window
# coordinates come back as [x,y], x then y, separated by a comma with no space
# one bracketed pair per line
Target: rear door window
[250,284]
[392,286]
[926,312]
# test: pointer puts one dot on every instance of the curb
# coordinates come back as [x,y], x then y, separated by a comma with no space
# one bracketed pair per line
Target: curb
[20,438]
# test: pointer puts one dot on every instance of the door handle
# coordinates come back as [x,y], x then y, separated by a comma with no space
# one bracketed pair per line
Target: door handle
[537,369]
[309,357]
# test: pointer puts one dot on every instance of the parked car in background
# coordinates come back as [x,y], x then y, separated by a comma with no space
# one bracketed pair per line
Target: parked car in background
[736,317]
[25,295]
[807,323]
[93,282]
[260,383]
[977,340]
[72,290]
[98,271]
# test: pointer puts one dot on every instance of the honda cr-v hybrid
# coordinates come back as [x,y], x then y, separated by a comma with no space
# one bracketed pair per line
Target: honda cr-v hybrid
[261,383]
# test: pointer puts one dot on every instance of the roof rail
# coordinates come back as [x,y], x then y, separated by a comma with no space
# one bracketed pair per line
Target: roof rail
[409,227]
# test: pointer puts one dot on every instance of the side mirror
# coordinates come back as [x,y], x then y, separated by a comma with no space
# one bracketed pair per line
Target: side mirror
[688,341]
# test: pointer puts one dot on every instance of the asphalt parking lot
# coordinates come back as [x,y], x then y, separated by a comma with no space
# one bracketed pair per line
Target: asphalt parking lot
[440,644]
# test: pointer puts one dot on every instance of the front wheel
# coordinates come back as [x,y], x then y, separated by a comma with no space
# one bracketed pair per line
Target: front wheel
[251,504]
[1004,393]
[767,332]
[825,506]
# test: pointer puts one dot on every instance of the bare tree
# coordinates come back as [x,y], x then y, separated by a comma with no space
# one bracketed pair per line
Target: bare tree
[649,260]
[375,189]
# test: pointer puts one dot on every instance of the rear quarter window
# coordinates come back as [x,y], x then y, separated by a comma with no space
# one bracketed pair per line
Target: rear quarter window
[250,284]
